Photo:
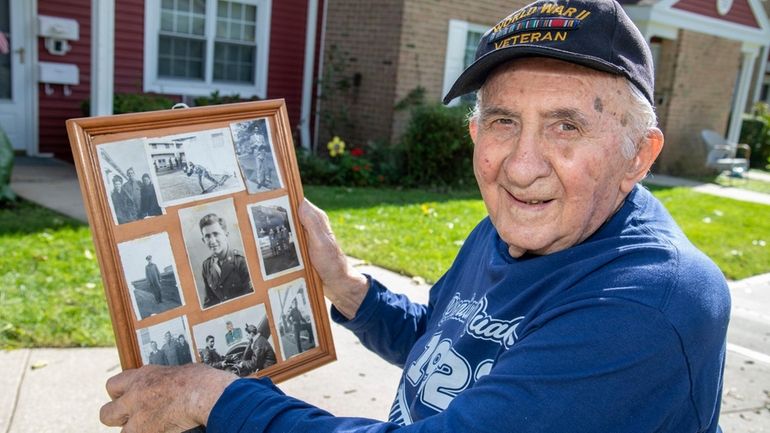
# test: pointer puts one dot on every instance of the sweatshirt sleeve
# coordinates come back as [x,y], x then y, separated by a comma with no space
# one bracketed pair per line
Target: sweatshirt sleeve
[386,323]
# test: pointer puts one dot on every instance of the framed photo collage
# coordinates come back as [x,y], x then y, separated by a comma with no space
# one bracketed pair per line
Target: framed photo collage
[193,213]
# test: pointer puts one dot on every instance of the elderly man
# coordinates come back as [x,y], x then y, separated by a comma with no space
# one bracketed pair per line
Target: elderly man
[577,306]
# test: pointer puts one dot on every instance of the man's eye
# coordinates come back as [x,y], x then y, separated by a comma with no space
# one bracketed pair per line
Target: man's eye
[567,127]
[502,121]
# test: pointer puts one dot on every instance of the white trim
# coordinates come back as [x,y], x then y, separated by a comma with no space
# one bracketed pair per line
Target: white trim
[742,93]
[102,56]
[454,61]
[307,74]
[203,88]
[761,73]
[663,17]
[23,58]
[319,74]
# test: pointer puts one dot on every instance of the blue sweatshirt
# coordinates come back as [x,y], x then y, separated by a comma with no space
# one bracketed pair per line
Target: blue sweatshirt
[624,332]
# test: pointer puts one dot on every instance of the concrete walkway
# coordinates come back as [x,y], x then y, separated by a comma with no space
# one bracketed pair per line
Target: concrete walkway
[61,390]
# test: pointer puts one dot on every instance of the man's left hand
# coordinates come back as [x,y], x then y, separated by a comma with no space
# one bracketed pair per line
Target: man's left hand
[163,399]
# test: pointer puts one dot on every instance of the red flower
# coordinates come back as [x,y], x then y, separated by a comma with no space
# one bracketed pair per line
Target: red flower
[356,151]
[356,167]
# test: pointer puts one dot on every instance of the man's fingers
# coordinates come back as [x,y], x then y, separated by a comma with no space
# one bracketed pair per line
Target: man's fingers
[113,414]
[116,385]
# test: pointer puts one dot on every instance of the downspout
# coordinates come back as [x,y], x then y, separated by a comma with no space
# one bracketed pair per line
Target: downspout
[320,70]
[102,56]
[307,76]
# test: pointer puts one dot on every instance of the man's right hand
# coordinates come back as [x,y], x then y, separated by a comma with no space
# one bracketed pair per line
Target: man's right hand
[343,285]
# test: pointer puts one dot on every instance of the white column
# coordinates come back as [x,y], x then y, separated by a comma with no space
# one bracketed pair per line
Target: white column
[761,71]
[307,75]
[742,93]
[102,56]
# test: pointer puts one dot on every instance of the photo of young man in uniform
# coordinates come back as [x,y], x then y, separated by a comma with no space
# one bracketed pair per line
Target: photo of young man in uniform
[150,273]
[256,155]
[294,317]
[215,250]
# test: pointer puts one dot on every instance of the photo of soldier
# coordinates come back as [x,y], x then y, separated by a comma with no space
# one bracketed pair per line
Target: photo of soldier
[243,356]
[174,335]
[215,250]
[273,229]
[256,155]
[194,166]
[131,199]
[294,316]
[150,273]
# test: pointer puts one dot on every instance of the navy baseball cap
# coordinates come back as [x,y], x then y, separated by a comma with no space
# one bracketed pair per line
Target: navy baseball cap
[593,33]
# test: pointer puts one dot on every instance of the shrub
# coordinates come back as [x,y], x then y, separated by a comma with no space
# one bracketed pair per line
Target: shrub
[6,166]
[216,99]
[755,131]
[133,103]
[436,147]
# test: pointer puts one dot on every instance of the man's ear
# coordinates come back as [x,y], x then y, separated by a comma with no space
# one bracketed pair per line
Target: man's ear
[649,149]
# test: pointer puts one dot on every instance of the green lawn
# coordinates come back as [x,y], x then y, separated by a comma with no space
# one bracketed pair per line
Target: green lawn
[50,289]
[51,292]
[419,233]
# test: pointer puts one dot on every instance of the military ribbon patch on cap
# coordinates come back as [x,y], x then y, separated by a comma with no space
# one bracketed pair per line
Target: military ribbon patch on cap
[535,24]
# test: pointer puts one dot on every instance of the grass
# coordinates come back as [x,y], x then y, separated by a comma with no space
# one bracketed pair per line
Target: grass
[51,293]
[419,233]
[50,288]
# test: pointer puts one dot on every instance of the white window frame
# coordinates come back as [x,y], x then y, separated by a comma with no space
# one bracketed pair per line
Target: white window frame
[176,86]
[454,62]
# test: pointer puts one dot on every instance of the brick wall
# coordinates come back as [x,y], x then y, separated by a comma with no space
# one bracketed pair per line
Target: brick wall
[701,89]
[395,46]
[359,77]
[423,43]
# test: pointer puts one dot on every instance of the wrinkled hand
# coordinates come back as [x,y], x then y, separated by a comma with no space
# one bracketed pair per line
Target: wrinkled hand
[343,285]
[163,399]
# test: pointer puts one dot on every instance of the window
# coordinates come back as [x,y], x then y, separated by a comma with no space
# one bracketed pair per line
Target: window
[194,47]
[462,40]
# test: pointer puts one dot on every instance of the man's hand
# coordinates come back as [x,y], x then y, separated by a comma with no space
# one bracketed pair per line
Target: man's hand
[155,398]
[343,285]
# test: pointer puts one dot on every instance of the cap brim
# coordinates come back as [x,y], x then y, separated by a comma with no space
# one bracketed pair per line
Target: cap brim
[474,76]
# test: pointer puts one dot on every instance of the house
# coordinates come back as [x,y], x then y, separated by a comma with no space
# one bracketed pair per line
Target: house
[343,65]
[711,63]
[64,52]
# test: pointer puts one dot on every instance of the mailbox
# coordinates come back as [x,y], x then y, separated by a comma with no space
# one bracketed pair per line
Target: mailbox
[57,32]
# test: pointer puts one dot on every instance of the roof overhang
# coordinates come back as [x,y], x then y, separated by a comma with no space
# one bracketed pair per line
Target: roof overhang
[663,20]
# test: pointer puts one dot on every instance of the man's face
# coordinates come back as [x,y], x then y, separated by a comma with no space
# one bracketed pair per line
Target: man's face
[210,343]
[154,346]
[215,238]
[229,326]
[146,180]
[168,336]
[130,173]
[117,184]
[547,153]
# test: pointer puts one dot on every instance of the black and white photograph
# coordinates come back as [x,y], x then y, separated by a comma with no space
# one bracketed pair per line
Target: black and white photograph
[294,318]
[151,275]
[166,343]
[128,180]
[240,342]
[214,246]
[256,155]
[194,166]
[273,228]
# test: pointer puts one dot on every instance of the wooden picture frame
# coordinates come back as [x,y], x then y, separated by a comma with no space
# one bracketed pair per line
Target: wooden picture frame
[175,275]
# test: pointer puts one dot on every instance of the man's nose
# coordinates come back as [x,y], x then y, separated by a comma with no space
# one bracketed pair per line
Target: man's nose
[527,160]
